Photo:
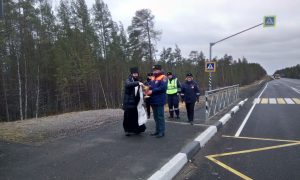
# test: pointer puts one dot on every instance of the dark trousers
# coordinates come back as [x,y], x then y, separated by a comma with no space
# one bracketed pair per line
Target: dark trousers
[190,111]
[158,113]
[148,107]
[173,103]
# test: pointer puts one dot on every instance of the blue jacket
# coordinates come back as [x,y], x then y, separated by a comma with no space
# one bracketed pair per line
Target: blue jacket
[190,92]
[158,86]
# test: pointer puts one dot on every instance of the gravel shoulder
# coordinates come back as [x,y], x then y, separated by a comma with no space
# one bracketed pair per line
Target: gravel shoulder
[40,129]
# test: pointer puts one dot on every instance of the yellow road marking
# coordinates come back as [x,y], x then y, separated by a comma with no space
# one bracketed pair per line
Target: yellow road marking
[262,139]
[280,101]
[264,101]
[255,150]
[296,100]
[243,176]
[212,157]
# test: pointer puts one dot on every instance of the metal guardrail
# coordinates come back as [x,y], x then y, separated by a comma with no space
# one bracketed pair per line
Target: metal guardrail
[218,99]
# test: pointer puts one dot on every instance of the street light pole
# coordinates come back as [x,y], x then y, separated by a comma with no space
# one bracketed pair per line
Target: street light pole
[213,43]
[209,80]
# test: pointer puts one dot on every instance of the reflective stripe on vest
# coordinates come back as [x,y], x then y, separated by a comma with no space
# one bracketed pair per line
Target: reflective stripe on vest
[172,87]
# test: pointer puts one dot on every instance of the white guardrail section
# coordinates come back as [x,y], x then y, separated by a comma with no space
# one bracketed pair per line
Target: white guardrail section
[218,99]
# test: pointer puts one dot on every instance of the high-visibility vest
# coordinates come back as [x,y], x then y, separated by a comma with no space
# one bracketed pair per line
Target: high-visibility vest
[172,86]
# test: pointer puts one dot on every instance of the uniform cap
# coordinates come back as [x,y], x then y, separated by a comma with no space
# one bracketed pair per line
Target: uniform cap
[189,75]
[156,67]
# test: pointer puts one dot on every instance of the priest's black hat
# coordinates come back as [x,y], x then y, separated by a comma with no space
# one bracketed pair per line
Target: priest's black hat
[134,70]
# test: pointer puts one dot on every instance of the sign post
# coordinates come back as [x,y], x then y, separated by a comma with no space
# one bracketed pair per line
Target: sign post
[1,9]
[268,21]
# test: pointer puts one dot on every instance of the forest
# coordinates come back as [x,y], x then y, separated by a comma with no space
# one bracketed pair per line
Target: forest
[75,58]
[290,72]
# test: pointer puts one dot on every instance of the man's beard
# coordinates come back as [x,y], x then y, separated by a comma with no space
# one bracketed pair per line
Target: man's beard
[135,78]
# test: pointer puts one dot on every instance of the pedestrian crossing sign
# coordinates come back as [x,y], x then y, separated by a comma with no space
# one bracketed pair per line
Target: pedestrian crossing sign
[269,21]
[210,66]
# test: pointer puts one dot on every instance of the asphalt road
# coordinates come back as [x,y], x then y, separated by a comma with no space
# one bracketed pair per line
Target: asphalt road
[262,141]
[102,153]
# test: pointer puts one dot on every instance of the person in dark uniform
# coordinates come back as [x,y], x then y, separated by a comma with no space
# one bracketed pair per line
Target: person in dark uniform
[173,88]
[130,102]
[190,94]
[147,100]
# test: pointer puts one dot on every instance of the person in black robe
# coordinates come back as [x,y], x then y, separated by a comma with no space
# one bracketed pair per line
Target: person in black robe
[131,100]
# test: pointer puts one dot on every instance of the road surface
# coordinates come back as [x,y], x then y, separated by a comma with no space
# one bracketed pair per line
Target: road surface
[262,141]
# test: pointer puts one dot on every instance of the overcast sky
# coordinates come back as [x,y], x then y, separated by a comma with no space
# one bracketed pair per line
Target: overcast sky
[193,24]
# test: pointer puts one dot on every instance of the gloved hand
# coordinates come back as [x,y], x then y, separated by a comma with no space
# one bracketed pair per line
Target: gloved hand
[197,100]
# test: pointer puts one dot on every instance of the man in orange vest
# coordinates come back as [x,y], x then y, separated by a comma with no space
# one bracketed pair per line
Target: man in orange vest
[157,92]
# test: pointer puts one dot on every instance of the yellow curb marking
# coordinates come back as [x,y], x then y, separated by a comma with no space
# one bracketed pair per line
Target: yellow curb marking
[264,101]
[296,100]
[280,101]
[241,175]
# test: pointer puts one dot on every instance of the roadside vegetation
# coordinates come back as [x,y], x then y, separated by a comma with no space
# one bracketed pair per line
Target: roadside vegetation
[73,58]
[290,72]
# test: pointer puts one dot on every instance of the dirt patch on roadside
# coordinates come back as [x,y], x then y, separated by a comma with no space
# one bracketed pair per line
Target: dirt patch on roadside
[37,130]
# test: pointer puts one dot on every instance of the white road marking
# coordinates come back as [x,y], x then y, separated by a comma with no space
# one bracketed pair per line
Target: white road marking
[289,101]
[272,101]
[237,134]
[186,123]
[256,101]
[296,90]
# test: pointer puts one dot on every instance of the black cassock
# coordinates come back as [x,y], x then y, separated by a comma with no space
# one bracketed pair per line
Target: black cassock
[130,122]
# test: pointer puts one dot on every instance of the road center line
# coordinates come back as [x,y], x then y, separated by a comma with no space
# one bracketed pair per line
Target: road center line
[237,134]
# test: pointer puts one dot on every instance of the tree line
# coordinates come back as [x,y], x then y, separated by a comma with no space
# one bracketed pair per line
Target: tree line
[73,58]
[290,72]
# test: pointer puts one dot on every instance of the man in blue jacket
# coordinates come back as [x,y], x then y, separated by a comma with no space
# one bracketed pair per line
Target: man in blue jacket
[190,94]
[157,94]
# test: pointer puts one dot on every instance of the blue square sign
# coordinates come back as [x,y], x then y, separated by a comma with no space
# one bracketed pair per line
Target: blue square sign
[269,21]
[210,66]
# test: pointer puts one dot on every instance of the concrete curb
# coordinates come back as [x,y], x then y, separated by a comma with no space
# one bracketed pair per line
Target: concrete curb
[191,149]
[174,165]
[169,170]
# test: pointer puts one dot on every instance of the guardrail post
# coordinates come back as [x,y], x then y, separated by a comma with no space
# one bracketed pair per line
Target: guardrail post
[206,105]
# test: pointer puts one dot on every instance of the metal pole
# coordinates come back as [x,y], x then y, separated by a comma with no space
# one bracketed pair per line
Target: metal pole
[212,44]
[209,78]
[1,9]
[206,106]
[237,33]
